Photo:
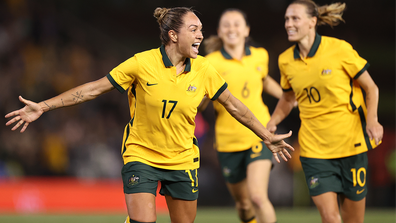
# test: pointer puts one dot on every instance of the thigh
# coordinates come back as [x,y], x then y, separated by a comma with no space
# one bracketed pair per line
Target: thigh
[352,211]
[327,205]
[239,191]
[258,173]
[141,207]
[181,211]
[180,184]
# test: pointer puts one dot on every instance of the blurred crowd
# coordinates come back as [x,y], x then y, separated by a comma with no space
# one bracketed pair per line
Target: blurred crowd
[42,55]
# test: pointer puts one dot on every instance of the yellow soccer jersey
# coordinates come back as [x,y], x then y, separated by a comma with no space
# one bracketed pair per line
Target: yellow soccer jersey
[245,82]
[331,103]
[163,106]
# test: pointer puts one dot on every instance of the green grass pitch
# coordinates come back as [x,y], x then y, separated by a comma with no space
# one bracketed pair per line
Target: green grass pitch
[204,215]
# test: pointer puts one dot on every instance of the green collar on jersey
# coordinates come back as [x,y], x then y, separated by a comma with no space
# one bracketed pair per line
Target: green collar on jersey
[228,56]
[168,63]
[314,48]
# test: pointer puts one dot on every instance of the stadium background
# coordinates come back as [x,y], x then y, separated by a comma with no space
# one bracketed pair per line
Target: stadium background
[47,47]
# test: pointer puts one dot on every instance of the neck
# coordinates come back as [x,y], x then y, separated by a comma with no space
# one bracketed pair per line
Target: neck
[174,56]
[236,52]
[306,43]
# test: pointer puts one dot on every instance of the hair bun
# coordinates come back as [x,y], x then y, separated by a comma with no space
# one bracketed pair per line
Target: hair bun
[159,14]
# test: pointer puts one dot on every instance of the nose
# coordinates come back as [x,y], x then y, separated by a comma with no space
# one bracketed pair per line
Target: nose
[288,23]
[199,35]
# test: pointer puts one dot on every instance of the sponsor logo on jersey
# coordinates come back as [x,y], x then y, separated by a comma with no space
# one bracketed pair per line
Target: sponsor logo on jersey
[326,72]
[148,84]
[191,88]
[314,182]
[194,190]
[133,180]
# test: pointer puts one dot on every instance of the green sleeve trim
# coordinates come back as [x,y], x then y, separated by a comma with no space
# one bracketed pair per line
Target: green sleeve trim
[225,85]
[361,71]
[195,142]
[286,90]
[115,84]
[351,97]
[363,122]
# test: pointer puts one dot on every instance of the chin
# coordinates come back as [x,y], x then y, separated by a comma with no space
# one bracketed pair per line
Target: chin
[292,39]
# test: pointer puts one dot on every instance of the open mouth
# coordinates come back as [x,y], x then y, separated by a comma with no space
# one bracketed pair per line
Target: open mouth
[195,47]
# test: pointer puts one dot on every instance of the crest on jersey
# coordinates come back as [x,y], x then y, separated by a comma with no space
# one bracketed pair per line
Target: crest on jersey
[191,88]
[326,72]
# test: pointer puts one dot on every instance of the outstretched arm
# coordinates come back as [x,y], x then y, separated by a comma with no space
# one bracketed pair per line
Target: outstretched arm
[282,110]
[374,128]
[241,113]
[32,111]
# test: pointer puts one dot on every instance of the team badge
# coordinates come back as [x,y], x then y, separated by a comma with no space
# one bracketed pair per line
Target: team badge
[191,88]
[314,182]
[326,72]
[133,180]
[226,171]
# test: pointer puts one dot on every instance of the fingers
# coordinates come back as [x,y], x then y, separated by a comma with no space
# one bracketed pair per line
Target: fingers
[276,157]
[11,114]
[282,154]
[17,125]
[17,118]
[24,127]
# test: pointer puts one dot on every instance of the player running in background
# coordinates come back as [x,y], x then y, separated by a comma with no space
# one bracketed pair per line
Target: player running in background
[244,159]
[338,125]
[164,86]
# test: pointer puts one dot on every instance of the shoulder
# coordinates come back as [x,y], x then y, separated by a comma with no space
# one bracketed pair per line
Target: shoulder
[216,55]
[259,51]
[200,62]
[148,54]
[286,55]
[335,43]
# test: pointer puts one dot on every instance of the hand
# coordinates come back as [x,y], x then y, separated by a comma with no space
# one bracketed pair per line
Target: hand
[27,114]
[375,131]
[279,147]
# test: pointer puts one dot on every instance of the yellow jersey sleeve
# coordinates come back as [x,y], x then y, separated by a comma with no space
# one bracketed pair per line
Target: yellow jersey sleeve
[353,64]
[214,84]
[124,74]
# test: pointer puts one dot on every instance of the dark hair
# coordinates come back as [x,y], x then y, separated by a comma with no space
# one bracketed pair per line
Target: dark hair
[214,43]
[327,14]
[170,19]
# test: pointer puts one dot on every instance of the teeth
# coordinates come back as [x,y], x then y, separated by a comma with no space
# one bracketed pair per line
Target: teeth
[196,44]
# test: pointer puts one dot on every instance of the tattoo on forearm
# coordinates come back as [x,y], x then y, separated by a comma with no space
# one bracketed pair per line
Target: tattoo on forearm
[78,97]
[227,99]
[50,107]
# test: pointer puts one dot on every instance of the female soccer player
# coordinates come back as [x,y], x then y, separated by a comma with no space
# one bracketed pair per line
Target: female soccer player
[338,126]
[245,161]
[165,86]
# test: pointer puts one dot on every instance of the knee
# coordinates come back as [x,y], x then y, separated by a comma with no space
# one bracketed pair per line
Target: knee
[244,205]
[258,200]
[331,217]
